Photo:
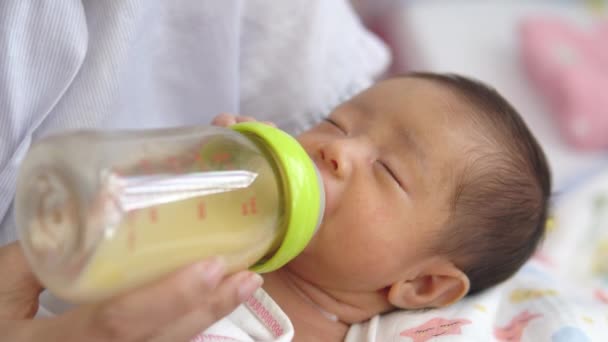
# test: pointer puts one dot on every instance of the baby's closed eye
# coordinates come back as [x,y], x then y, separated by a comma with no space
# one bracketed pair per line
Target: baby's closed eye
[391,173]
[336,125]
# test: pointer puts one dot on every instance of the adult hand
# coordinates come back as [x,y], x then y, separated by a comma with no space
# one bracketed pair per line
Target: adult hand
[175,308]
[226,119]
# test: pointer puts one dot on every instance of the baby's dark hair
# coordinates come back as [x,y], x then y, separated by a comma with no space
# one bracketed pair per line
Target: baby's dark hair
[500,205]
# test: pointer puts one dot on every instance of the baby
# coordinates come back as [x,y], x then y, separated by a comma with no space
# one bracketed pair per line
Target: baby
[435,189]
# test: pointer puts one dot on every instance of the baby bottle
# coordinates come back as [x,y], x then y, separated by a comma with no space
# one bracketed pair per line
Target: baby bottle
[102,212]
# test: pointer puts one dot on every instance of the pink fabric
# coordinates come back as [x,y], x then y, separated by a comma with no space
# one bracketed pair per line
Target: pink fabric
[569,66]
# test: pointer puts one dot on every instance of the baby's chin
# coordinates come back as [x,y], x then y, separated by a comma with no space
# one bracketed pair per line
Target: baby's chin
[306,268]
[303,266]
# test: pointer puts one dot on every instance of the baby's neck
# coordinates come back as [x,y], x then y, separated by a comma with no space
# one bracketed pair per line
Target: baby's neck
[316,313]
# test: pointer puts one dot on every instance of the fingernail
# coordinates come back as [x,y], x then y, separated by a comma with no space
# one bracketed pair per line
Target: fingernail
[249,286]
[212,271]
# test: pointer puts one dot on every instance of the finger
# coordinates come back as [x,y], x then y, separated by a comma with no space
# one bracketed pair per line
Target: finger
[19,288]
[270,123]
[224,120]
[142,312]
[228,295]
[19,330]
[186,328]
[233,291]
[245,119]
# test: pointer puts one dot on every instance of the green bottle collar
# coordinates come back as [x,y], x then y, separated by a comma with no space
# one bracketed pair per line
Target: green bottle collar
[304,196]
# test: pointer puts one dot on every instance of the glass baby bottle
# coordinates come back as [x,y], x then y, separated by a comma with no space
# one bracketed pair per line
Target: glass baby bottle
[102,212]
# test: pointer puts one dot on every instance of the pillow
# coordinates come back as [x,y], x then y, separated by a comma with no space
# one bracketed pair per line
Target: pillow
[569,66]
[326,58]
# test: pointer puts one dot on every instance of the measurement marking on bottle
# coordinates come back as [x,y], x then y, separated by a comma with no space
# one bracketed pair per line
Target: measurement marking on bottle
[223,160]
[221,157]
[153,213]
[202,213]
[249,208]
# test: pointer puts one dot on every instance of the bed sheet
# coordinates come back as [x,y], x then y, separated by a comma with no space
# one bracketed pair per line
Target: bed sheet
[560,295]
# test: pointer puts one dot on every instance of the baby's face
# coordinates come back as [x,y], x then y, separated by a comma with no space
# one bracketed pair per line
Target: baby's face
[388,159]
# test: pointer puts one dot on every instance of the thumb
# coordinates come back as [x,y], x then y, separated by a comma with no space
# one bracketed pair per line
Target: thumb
[19,288]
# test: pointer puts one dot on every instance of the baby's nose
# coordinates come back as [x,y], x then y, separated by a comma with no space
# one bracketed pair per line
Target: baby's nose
[336,160]
[331,161]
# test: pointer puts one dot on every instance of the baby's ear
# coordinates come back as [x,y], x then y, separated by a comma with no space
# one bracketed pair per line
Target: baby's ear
[440,285]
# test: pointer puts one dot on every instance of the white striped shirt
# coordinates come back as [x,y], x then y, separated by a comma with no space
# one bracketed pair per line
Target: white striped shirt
[154,63]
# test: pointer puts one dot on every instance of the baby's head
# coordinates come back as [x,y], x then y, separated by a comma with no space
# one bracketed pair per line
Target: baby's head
[435,188]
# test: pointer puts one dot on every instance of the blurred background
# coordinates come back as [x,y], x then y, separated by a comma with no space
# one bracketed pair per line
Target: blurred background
[548,58]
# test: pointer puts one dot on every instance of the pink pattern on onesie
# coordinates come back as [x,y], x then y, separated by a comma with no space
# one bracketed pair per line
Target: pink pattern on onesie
[435,327]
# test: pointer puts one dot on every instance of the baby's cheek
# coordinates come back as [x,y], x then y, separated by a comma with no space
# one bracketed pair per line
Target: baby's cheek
[378,212]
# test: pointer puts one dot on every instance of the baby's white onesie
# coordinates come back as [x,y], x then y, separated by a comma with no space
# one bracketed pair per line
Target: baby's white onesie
[258,319]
